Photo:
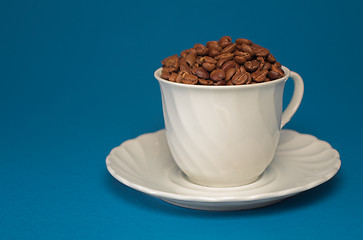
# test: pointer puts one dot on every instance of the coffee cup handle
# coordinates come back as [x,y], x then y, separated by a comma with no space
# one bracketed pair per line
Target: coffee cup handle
[295,100]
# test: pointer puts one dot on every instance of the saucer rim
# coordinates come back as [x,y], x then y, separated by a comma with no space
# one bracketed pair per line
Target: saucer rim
[254,197]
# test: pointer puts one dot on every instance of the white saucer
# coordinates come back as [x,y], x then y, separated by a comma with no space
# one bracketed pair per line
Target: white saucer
[301,163]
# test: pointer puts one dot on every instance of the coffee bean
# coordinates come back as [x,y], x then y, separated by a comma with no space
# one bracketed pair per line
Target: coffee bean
[217,75]
[221,62]
[209,66]
[261,52]
[277,69]
[240,78]
[184,67]
[220,83]
[274,75]
[246,55]
[277,64]
[180,77]
[252,65]
[205,81]
[190,59]
[214,45]
[230,48]
[170,61]
[165,74]
[200,72]
[267,80]
[228,65]
[213,52]
[229,82]
[201,49]
[168,69]
[241,41]
[210,60]
[246,48]
[173,77]
[262,63]
[270,58]
[228,56]
[240,60]
[190,79]
[225,41]
[229,73]
[199,60]
[267,65]
[242,69]
[259,76]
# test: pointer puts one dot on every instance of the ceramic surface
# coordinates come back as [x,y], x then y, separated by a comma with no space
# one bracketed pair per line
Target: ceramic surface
[146,164]
[225,136]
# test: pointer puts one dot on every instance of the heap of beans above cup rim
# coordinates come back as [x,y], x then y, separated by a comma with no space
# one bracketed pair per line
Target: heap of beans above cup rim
[222,63]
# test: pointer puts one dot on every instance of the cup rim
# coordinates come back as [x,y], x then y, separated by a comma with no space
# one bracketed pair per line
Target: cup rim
[287,72]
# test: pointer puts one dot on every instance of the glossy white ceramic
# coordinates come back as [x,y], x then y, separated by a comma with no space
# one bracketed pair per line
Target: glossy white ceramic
[146,164]
[225,136]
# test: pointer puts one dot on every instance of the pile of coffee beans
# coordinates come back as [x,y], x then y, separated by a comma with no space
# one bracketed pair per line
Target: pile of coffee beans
[222,63]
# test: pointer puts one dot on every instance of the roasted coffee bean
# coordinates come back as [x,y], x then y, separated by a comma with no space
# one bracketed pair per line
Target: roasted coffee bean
[252,65]
[173,77]
[228,56]
[200,72]
[225,41]
[168,69]
[259,76]
[249,80]
[230,48]
[247,48]
[241,41]
[220,83]
[246,55]
[165,74]
[275,72]
[240,60]
[274,75]
[180,77]
[262,63]
[240,78]
[213,52]
[201,49]
[229,73]
[190,59]
[261,52]
[229,82]
[184,67]
[270,58]
[228,65]
[242,69]
[217,75]
[221,62]
[214,45]
[277,64]
[190,79]
[277,69]
[170,61]
[209,66]
[210,60]
[205,81]
[200,60]
[266,65]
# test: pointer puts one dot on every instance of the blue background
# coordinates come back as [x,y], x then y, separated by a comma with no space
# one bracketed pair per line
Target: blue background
[76,80]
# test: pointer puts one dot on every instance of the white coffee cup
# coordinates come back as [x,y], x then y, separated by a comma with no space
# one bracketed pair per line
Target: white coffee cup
[224,136]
